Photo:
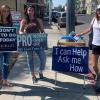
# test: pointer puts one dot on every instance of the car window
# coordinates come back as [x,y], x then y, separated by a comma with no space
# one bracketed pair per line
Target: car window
[64,15]
[46,14]
[59,14]
[54,13]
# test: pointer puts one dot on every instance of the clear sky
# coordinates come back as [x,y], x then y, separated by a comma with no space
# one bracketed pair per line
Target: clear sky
[59,2]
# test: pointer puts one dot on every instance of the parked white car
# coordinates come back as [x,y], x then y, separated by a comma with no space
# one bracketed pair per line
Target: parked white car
[62,19]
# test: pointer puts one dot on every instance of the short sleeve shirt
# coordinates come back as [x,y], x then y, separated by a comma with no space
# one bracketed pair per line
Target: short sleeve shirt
[96,32]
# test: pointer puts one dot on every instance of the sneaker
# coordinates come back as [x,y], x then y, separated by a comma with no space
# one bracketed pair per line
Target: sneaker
[41,76]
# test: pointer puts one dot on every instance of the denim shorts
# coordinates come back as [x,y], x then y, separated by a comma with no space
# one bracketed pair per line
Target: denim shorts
[95,49]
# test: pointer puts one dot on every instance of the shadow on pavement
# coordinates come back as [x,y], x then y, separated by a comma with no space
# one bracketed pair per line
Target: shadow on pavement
[62,90]
[76,75]
[79,23]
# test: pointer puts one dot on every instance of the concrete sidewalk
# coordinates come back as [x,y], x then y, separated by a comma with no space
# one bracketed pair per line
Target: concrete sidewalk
[69,85]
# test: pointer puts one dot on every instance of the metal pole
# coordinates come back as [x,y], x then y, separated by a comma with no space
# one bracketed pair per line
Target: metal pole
[70,16]
[49,11]
[16,4]
[55,78]
[84,81]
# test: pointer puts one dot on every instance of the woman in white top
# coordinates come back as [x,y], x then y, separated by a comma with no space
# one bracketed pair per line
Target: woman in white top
[95,26]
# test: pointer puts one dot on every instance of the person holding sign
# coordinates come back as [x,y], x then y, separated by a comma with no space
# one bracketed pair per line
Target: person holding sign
[1,80]
[95,27]
[6,21]
[31,24]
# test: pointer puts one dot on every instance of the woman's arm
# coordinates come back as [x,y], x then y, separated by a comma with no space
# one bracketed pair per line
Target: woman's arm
[85,32]
[22,26]
[41,26]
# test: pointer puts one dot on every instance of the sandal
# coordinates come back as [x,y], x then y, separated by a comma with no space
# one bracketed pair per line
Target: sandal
[8,84]
[34,79]
[91,76]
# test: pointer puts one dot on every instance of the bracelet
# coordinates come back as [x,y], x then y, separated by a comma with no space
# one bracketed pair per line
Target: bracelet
[81,34]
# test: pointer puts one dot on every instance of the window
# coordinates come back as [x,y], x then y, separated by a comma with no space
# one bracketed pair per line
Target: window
[64,15]
[32,1]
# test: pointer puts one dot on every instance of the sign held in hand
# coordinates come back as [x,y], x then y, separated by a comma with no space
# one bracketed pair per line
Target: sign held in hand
[70,59]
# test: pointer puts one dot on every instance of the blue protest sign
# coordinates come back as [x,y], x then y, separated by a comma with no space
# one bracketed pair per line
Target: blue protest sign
[33,41]
[8,39]
[70,59]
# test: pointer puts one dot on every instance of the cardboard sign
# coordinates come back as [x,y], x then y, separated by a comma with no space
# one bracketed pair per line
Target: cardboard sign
[33,41]
[8,39]
[70,59]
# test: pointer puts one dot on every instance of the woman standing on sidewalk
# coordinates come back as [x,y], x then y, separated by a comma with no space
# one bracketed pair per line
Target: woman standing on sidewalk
[0,71]
[95,27]
[6,21]
[31,24]
[1,80]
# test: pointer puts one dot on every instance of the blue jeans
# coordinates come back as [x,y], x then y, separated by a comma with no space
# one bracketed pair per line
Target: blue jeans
[4,61]
[42,57]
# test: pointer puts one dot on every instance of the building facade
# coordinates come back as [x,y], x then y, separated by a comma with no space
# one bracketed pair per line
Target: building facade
[20,5]
[87,5]
[91,5]
[39,6]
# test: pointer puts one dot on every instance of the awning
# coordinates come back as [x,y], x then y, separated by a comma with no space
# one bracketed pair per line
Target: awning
[36,2]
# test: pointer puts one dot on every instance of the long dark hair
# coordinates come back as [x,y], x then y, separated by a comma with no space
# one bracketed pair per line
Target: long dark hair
[9,17]
[26,16]
[98,10]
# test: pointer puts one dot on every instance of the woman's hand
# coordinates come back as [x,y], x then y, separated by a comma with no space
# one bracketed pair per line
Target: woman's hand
[78,34]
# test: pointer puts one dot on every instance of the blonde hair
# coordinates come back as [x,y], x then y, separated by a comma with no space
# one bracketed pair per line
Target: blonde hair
[5,6]
[9,17]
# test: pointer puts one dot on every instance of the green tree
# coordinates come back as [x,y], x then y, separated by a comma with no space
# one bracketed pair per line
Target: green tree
[60,8]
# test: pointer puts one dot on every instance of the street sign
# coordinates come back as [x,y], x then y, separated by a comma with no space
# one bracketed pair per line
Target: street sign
[33,41]
[16,16]
[8,39]
[70,59]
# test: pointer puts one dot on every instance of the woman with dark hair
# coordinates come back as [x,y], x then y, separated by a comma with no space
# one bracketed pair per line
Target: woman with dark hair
[6,21]
[31,24]
[95,27]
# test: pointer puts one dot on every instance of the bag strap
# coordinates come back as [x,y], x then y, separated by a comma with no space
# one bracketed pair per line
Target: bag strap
[92,22]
